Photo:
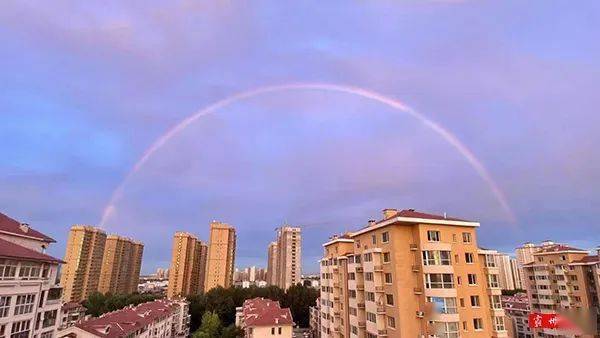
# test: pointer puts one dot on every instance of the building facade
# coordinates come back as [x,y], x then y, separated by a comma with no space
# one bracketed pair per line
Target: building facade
[561,277]
[315,319]
[159,318]
[80,275]
[30,300]
[289,256]
[272,264]
[121,264]
[261,318]
[409,275]
[188,265]
[70,314]
[221,256]
[517,312]
[524,255]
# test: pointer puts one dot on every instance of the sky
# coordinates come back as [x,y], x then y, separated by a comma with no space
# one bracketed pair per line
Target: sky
[86,89]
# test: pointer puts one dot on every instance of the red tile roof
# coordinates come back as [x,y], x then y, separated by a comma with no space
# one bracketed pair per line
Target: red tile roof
[411,213]
[588,259]
[265,312]
[15,251]
[122,322]
[12,226]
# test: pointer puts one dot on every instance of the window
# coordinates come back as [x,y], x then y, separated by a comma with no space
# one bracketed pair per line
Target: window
[8,269]
[385,237]
[462,302]
[453,237]
[391,321]
[352,293]
[472,279]
[370,296]
[446,330]
[368,257]
[439,281]
[458,280]
[465,326]
[386,257]
[468,258]
[351,276]
[279,330]
[24,304]
[490,261]
[445,305]
[478,323]
[4,306]
[49,318]
[388,278]
[354,330]
[493,281]
[20,329]
[499,323]
[433,235]
[369,276]
[374,239]
[475,301]
[352,311]
[466,237]
[29,271]
[436,257]
[495,302]
[371,317]
[389,299]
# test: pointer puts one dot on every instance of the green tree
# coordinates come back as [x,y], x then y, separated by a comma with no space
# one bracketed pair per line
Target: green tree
[98,303]
[211,326]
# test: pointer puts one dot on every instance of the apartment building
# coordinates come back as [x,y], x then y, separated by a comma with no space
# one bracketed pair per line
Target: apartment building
[524,255]
[562,277]
[159,318]
[121,264]
[507,269]
[80,275]
[289,252]
[221,256]
[272,264]
[315,319]
[70,314]
[260,318]
[29,297]
[517,312]
[188,264]
[410,274]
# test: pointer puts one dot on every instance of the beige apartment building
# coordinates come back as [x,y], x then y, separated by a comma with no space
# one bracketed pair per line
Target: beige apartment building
[121,264]
[188,265]
[289,260]
[272,264]
[410,274]
[81,273]
[221,256]
[562,277]
[524,255]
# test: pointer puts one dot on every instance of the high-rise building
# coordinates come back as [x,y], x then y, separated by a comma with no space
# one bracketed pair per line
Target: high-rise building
[121,264]
[562,277]
[506,266]
[81,273]
[514,267]
[272,264]
[221,256]
[524,255]
[30,301]
[411,274]
[188,263]
[289,252]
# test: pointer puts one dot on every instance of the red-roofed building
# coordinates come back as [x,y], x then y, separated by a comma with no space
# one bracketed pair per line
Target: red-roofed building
[260,317]
[517,311]
[159,318]
[29,297]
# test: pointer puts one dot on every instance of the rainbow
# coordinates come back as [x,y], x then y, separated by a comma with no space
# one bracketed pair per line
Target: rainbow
[468,155]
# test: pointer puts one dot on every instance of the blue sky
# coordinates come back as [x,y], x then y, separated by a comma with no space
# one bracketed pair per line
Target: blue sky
[85,89]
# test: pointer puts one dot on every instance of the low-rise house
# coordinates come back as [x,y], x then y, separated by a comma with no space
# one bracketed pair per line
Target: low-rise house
[70,314]
[261,317]
[159,318]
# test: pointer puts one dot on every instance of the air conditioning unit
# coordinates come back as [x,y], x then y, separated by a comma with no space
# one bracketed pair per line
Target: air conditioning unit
[420,314]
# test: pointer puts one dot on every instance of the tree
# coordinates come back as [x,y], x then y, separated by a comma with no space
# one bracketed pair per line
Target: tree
[211,326]
[98,303]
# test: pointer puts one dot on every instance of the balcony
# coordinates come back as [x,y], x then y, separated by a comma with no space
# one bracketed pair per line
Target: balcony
[360,305]
[379,288]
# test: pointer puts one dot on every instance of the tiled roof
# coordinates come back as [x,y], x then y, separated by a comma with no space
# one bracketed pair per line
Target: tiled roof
[557,248]
[15,251]
[122,322]
[71,305]
[588,259]
[10,225]
[265,312]
[411,213]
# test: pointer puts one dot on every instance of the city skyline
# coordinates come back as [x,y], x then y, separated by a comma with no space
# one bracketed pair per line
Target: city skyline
[86,92]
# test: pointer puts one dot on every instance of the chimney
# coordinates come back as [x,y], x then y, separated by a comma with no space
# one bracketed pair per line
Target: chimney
[371,223]
[24,227]
[388,213]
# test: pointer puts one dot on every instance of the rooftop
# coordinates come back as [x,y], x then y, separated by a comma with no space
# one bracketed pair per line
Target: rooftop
[265,312]
[122,322]
[412,213]
[10,225]
[555,248]
[14,251]
[588,260]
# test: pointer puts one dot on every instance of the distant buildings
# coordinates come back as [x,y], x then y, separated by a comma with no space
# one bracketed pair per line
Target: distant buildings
[559,277]
[288,265]
[272,264]
[188,265]
[160,318]
[509,273]
[29,298]
[250,276]
[261,317]
[162,273]
[121,264]
[410,274]
[517,311]
[315,319]
[221,256]
[80,276]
